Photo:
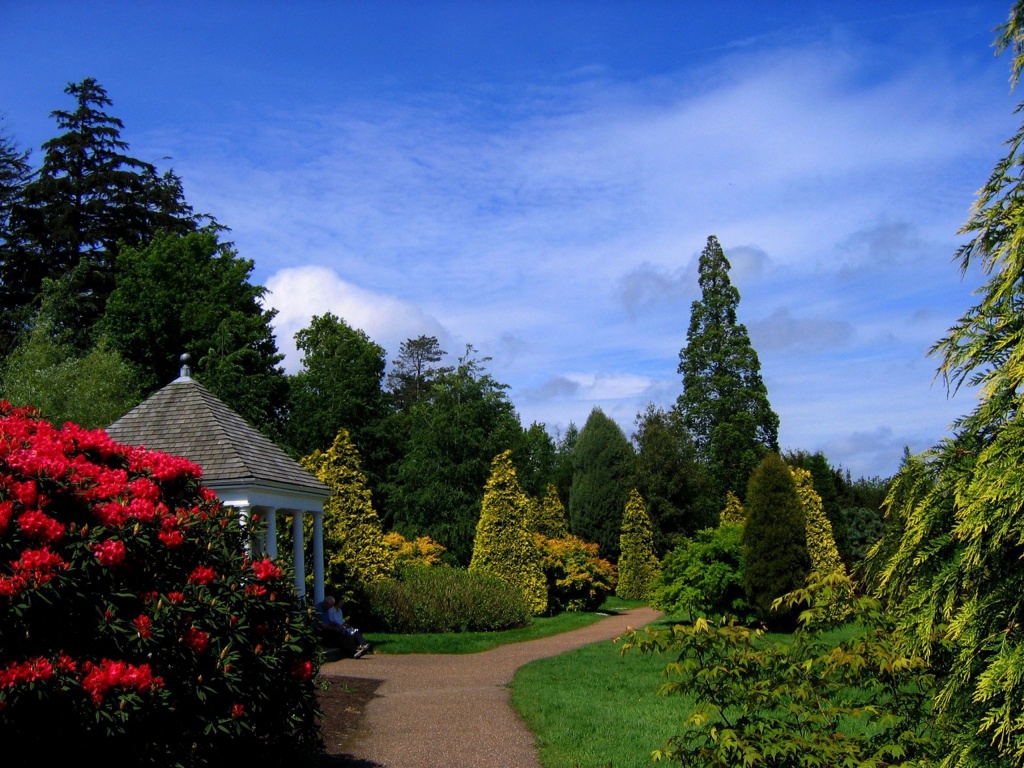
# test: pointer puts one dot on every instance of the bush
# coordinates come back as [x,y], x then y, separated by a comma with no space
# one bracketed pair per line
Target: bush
[819,697]
[703,577]
[577,579]
[426,599]
[132,623]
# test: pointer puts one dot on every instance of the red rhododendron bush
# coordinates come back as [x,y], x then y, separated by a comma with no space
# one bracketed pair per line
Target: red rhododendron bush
[132,620]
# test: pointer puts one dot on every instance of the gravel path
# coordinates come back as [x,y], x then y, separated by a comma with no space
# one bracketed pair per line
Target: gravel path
[454,711]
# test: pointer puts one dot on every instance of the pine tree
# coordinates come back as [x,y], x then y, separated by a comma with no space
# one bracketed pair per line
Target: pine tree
[15,174]
[774,538]
[503,546]
[638,565]
[89,197]
[724,402]
[355,554]
[602,462]
[415,370]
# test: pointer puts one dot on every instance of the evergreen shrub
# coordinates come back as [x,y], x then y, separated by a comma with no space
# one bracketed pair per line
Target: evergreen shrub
[134,627]
[430,599]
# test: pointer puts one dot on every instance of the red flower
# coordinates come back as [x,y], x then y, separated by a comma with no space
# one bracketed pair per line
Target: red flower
[111,553]
[6,512]
[100,678]
[196,639]
[237,710]
[18,673]
[143,623]
[202,574]
[255,590]
[38,525]
[303,669]
[266,569]
[176,598]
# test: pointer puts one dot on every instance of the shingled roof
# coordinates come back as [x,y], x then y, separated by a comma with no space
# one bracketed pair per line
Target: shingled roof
[186,419]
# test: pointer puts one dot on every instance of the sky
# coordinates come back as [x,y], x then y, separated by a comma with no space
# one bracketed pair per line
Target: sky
[536,181]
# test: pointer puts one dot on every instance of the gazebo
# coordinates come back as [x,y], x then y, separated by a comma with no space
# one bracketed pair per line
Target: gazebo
[241,465]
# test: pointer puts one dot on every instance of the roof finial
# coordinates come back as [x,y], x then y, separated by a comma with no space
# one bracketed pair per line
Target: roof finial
[185,372]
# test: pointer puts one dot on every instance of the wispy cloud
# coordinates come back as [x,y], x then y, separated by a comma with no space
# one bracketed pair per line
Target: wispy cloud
[557,230]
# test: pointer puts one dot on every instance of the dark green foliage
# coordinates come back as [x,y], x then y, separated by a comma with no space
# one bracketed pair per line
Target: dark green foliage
[535,457]
[339,387]
[191,293]
[562,470]
[453,435]
[669,476]
[438,599]
[724,402]
[602,462]
[414,371]
[806,701]
[774,539]
[703,577]
[89,198]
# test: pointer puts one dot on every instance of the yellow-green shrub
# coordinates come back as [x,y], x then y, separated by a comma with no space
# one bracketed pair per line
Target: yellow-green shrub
[503,546]
[578,578]
[638,565]
[354,550]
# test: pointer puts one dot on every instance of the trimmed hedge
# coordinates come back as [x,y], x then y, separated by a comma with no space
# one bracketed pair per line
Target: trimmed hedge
[423,600]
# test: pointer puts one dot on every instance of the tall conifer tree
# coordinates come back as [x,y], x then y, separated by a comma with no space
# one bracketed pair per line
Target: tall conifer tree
[503,545]
[89,197]
[638,565]
[724,402]
[602,477]
[774,538]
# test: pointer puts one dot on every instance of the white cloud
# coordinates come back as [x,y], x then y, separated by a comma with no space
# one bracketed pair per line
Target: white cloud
[562,240]
[300,293]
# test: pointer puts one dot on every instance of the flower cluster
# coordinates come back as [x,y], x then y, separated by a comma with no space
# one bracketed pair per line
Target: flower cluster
[108,674]
[120,575]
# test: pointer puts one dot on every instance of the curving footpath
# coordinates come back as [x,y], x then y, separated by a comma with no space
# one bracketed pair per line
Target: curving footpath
[453,710]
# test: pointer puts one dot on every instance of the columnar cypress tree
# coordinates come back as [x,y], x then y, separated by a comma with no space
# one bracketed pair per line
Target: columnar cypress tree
[821,544]
[774,538]
[354,551]
[638,565]
[548,517]
[724,402]
[732,512]
[503,546]
[602,462]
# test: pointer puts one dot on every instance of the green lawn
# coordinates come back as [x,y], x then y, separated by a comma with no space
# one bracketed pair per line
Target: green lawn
[594,707]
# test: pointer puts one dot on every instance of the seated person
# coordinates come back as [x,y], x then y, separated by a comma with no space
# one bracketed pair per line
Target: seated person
[335,628]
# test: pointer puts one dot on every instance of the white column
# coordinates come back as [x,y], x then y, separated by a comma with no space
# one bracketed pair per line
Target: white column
[318,556]
[298,555]
[271,531]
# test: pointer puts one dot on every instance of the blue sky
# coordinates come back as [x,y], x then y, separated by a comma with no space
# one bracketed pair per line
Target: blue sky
[537,179]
